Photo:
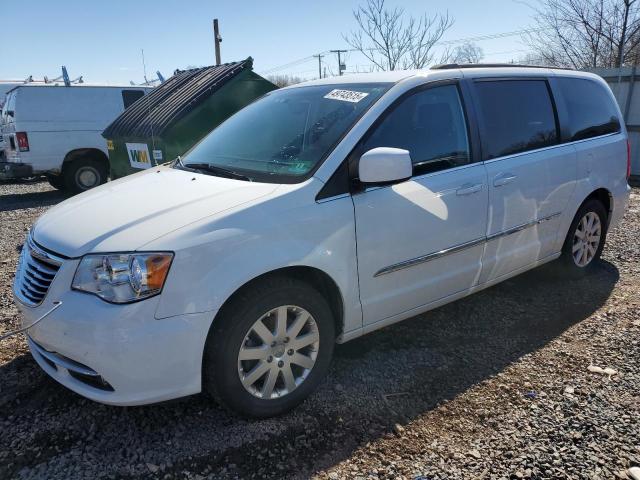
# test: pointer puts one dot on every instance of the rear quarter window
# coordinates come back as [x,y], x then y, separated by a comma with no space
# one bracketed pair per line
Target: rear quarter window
[590,109]
[516,116]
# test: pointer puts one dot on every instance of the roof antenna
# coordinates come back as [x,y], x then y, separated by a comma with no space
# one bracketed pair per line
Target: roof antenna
[153,141]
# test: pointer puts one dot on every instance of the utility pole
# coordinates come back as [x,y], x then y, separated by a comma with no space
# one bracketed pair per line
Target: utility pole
[217,39]
[341,67]
[319,56]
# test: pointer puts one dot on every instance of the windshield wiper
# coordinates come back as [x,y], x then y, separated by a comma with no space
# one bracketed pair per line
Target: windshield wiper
[213,169]
[178,162]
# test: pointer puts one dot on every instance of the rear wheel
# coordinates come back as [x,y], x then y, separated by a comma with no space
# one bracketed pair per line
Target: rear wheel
[84,173]
[270,348]
[584,243]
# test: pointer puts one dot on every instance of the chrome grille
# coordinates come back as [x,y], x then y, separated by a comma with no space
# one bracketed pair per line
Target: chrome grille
[36,270]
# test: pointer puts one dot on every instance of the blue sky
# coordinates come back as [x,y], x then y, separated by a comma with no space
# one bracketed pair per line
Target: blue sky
[101,40]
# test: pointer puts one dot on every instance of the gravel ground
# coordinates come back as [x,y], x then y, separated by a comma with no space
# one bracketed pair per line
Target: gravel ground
[493,386]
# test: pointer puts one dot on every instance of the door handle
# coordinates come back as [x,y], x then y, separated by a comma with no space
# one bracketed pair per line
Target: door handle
[503,179]
[468,189]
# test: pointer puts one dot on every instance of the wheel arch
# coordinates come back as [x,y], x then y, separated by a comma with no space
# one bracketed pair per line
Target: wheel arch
[605,197]
[93,153]
[601,194]
[317,278]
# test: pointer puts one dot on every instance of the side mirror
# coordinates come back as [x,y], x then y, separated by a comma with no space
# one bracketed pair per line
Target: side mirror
[385,165]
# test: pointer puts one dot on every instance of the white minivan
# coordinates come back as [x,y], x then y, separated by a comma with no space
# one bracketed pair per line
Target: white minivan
[56,131]
[315,215]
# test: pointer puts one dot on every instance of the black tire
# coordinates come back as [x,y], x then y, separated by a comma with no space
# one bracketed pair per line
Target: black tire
[84,173]
[221,377]
[56,181]
[567,260]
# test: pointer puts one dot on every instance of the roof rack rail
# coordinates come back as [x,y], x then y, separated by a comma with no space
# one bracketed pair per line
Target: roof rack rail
[447,66]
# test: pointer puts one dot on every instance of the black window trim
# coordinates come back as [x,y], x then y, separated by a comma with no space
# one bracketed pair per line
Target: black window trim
[541,78]
[565,137]
[562,115]
[328,192]
[354,156]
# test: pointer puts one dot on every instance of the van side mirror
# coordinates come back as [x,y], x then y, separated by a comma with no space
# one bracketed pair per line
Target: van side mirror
[385,165]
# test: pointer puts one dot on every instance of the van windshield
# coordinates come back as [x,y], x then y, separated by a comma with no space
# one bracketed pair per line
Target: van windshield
[283,136]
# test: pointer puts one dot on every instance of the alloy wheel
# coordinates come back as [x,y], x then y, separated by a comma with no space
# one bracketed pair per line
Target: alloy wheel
[586,239]
[278,352]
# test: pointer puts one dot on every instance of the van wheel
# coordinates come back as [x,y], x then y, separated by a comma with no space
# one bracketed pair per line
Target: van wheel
[56,181]
[83,174]
[584,243]
[270,348]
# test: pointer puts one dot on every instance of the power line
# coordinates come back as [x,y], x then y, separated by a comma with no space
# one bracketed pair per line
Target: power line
[476,38]
[290,64]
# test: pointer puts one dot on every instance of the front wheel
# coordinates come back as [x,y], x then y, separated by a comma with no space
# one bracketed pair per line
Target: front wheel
[270,348]
[584,243]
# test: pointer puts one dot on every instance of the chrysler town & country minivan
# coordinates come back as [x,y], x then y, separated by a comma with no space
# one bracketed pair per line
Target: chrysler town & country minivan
[315,215]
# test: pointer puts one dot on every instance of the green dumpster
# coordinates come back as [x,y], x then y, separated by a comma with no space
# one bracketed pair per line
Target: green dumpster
[177,114]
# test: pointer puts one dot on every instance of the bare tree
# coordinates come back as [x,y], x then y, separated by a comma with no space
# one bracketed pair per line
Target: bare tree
[586,33]
[467,53]
[390,40]
[428,31]
[284,80]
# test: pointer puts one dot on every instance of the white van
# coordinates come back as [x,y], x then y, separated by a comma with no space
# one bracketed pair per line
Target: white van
[56,130]
[315,215]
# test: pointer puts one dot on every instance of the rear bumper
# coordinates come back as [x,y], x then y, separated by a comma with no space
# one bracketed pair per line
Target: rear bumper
[9,170]
[620,204]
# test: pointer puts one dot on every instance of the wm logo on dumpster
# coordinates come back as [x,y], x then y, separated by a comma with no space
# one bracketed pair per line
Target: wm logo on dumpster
[138,155]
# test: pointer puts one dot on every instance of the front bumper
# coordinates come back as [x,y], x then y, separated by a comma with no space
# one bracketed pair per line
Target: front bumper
[10,170]
[116,354]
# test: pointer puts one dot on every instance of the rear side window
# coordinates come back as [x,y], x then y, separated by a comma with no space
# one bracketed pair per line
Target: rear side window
[130,96]
[516,115]
[589,107]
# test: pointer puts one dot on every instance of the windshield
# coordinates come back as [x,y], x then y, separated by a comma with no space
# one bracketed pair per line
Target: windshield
[284,135]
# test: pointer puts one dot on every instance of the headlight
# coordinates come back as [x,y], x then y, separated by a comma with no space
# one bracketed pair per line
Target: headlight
[123,277]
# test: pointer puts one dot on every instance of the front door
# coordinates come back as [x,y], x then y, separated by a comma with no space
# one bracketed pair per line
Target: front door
[421,240]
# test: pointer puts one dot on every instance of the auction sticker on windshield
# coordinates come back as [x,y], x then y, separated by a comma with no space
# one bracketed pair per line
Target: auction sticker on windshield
[346,95]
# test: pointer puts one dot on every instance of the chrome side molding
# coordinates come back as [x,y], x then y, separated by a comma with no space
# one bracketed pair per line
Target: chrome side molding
[430,256]
[519,228]
[462,246]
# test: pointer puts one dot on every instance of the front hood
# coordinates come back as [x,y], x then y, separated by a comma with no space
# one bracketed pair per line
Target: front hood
[130,212]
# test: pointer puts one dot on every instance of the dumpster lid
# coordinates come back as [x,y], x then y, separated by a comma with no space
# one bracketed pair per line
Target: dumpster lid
[173,99]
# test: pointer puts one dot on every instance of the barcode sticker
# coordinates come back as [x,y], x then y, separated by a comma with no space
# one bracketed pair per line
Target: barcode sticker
[346,95]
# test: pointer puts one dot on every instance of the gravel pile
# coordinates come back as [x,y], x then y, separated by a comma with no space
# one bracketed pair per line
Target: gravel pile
[502,384]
